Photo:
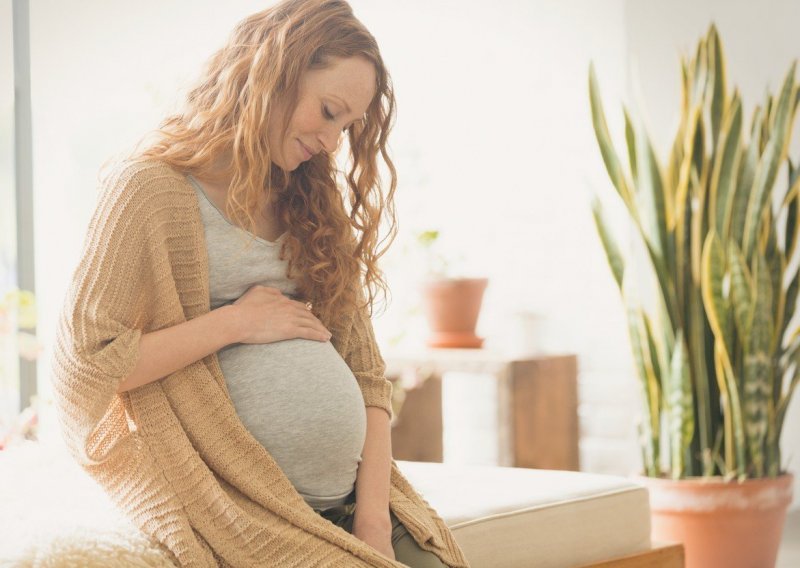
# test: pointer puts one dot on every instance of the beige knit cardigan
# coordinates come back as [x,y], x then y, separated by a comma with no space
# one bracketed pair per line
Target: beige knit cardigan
[173,454]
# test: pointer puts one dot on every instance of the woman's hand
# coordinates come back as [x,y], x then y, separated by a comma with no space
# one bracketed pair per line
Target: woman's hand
[265,315]
[374,530]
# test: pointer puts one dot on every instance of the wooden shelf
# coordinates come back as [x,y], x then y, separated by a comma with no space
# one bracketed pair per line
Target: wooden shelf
[537,403]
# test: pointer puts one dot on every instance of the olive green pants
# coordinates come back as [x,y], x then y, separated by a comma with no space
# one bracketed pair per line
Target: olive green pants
[406,549]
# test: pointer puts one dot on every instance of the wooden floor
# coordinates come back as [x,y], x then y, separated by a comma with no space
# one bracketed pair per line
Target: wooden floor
[789,555]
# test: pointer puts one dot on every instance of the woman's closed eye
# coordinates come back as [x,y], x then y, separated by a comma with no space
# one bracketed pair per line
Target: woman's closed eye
[327,114]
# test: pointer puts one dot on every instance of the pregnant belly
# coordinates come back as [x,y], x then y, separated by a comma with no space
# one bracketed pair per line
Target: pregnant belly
[300,400]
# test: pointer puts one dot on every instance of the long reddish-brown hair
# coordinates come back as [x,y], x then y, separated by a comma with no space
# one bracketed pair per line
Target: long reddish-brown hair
[333,216]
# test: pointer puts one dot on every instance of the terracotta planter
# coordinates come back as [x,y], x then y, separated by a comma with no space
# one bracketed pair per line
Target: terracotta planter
[452,307]
[725,525]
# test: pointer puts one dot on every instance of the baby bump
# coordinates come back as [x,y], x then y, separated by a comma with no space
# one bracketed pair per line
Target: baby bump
[301,401]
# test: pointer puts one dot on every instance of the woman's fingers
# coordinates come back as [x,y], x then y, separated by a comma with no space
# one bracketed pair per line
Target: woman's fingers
[308,319]
[306,314]
[275,316]
[305,306]
[313,332]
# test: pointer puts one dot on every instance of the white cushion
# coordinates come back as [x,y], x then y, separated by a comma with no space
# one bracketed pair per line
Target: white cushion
[53,514]
[504,517]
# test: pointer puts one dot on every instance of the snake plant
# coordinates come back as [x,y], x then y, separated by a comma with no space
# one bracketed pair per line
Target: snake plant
[715,352]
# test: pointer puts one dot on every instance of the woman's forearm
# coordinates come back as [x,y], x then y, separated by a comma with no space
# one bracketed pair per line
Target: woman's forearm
[374,471]
[167,350]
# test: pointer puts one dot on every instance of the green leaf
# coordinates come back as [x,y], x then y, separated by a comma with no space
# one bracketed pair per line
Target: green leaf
[683,251]
[680,406]
[630,140]
[759,195]
[659,359]
[606,146]
[776,266]
[757,367]
[774,152]
[796,100]
[791,232]
[745,177]
[742,290]
[761,333]
[699,73]
[650,187]
[735,452]
[698,148]
[715,301]
[649,383]
[794,379]
[780,121]
[697,330]
[615,260]
[791,301]
[726,166]
[718,100]
[791,202]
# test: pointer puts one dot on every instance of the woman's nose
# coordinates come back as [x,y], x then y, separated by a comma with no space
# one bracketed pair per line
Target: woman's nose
[329,138]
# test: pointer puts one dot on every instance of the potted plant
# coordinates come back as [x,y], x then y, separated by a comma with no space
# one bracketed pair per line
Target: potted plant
[716,357]
[17,312]
[451,304]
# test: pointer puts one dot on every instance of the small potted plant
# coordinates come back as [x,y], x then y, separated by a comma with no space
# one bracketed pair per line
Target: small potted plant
[716,356]
[17,312]
[452,304]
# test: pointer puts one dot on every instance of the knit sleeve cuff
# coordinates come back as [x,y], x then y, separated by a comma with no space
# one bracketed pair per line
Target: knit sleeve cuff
[377,392]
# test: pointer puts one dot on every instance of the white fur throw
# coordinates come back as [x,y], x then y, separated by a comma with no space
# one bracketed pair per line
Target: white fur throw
[52,514]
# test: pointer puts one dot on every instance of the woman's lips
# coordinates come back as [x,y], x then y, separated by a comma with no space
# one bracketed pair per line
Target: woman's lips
[306,153]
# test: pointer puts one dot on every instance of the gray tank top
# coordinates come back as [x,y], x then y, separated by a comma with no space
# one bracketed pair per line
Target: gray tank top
[297,397]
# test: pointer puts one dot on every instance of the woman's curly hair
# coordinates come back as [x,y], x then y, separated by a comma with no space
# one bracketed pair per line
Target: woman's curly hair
[333,217]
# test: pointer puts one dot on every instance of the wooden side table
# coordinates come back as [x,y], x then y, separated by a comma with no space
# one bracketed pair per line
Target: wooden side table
[537,405]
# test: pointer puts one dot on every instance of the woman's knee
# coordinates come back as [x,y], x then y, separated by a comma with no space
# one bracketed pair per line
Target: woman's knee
[407,551]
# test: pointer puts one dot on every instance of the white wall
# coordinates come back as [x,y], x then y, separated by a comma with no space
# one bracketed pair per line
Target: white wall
[495,148]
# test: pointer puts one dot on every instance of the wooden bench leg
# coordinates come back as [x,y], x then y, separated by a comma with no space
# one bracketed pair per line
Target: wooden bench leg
[660,556]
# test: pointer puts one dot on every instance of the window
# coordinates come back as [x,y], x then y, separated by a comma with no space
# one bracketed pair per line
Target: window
[17,376]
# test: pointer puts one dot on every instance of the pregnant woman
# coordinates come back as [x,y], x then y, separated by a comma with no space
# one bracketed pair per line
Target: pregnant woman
[215,368]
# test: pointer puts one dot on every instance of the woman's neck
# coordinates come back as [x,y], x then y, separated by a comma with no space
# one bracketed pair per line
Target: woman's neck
[217,177]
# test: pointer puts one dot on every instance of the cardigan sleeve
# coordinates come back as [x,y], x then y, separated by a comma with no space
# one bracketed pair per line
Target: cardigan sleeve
[363,356]
[101,319]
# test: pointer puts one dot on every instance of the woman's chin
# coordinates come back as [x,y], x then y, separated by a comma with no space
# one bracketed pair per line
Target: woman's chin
[292,167]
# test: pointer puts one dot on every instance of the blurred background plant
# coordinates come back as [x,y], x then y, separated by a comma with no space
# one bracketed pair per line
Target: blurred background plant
[17,313]
[423,256]
[435,261]
[716,355]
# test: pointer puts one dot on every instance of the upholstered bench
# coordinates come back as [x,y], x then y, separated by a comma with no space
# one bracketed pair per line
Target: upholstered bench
[53,514]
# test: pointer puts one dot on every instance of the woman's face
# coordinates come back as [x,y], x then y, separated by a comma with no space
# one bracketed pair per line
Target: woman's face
[329,101]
